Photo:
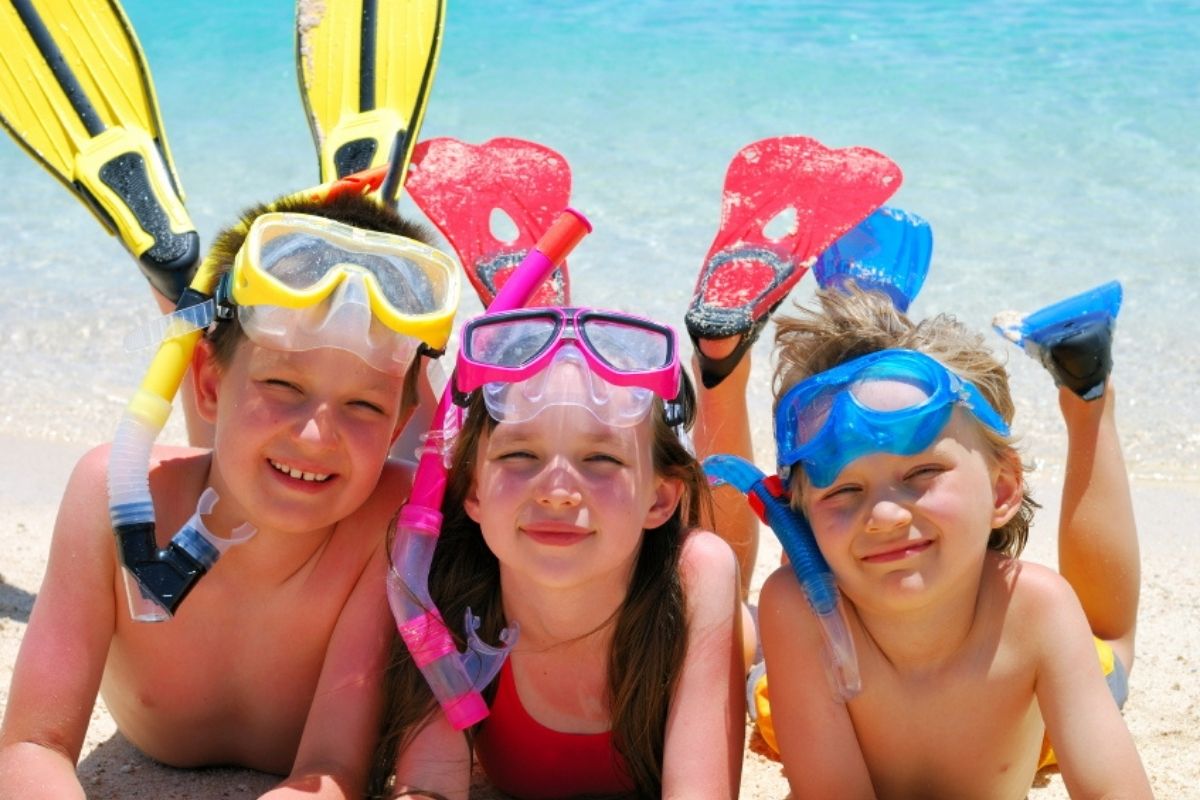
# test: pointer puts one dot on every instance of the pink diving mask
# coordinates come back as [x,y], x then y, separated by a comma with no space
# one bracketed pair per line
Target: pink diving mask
[521,361]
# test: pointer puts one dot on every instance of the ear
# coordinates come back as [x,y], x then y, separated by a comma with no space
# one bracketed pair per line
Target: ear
[667,495]
[206,380]
[1008,489]
[471,501]
[402,421]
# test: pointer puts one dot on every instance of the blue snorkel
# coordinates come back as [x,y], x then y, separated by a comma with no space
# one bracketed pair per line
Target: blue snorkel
[813,573]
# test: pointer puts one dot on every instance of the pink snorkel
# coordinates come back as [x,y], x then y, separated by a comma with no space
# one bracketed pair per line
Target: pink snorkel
[458,678]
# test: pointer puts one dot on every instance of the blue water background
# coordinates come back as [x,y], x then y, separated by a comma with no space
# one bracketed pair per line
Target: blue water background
[1051,145]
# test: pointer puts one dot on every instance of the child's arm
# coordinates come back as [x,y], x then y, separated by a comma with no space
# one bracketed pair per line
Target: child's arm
[437,763]
[1095,750]
[820,751]
[61,661]
[341,728]
[706,726]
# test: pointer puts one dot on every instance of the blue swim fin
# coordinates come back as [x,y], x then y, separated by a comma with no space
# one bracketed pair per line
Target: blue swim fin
[889,252]
[1071,338]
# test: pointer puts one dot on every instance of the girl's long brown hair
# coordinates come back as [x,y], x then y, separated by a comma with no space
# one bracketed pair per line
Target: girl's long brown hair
[650,634]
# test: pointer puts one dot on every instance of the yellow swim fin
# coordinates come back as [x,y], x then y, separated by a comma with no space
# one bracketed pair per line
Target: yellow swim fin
[365,69]
[75,92]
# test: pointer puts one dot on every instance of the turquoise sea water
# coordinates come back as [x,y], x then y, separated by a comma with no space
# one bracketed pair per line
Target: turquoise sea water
[1052,146]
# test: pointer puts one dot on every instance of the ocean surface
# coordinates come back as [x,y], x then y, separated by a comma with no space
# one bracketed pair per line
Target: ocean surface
[1052,146]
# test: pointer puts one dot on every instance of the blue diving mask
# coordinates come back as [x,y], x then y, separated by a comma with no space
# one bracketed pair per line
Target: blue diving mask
[835,417]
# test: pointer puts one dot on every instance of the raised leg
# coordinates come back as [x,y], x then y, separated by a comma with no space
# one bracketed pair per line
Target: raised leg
[1097,539]
[723,426]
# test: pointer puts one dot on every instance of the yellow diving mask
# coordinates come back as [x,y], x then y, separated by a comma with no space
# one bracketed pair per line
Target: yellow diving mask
[301,282]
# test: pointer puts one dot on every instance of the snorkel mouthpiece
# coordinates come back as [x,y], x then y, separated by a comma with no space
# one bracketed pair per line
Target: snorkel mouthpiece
[457,680]
[163,578]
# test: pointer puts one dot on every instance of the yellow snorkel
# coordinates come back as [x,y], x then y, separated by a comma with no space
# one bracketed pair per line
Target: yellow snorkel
[157,580]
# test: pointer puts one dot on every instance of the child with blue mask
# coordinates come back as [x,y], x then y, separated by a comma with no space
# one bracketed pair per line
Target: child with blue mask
[894,441]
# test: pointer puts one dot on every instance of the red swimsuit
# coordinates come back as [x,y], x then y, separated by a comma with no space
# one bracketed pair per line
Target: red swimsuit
[525,759]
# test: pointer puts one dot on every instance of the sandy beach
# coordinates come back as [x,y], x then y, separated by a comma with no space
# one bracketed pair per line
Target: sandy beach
[1046,144]
[1163,709]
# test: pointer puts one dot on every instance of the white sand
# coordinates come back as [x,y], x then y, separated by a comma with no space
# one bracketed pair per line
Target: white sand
[1163,709]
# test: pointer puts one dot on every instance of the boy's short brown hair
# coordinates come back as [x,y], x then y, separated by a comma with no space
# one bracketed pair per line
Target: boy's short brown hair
[850,323]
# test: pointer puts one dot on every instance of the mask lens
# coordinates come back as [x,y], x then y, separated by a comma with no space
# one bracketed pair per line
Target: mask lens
[812,417]
[300,260]
[403,283]
[511,343]
[626,347]
[891,393]
[297,260]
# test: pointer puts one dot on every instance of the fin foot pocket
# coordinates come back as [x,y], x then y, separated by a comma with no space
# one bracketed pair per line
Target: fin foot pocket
[354,156]
[715,370]
[1072,338]
[1080,356]
[169,261]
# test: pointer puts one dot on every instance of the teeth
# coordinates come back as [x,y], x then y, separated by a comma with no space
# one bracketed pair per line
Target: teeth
[295,473]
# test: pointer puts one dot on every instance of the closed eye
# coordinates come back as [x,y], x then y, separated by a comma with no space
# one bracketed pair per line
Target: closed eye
[925,471]
[605,458]
[840,491]
[369,406]
[514,455]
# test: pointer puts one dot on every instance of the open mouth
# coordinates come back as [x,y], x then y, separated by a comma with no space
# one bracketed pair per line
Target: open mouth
[292,472]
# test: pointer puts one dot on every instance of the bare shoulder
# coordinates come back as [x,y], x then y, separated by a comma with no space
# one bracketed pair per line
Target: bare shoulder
[709,572]
[706,557]
[1029,581]
[392,490]
[84,504]
[82,530]
[1034,598]
[781,589]
[783,609]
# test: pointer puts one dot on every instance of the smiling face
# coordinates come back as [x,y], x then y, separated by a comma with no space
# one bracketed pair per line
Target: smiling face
[562,499]
[300,437]
[901,531]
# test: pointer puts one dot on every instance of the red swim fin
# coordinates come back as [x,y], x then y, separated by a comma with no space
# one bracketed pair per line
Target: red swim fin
[746,273]
[458,186]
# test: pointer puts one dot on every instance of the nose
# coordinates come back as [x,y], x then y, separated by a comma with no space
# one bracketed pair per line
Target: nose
[886,512]
[317,426]
[558,486]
